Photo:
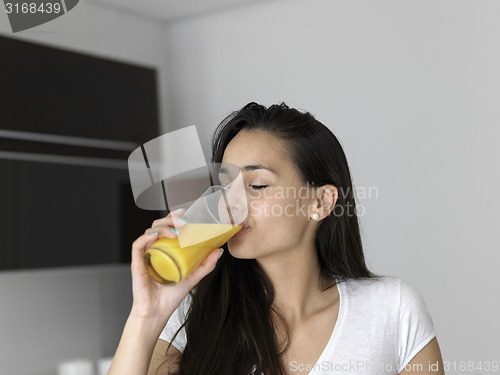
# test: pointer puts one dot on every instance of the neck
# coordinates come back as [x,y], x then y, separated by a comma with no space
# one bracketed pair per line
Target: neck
[295,275]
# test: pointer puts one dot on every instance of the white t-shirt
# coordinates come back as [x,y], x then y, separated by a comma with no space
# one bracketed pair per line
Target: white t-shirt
[382,324]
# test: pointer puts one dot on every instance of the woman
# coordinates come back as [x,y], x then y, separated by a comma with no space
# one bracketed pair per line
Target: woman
[292,293]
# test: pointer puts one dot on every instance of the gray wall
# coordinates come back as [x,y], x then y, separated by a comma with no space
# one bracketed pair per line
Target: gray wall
[56,315]
[411,89]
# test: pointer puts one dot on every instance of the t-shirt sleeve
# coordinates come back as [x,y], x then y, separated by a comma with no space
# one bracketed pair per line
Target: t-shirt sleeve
[176,320]
[416,327]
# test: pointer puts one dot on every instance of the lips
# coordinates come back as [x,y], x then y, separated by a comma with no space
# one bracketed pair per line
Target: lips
[242,231]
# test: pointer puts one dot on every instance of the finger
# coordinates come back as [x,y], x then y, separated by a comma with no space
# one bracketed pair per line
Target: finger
[151,235]
[144,242]
[161,231]
[169,219]
[177,223]
[138,248]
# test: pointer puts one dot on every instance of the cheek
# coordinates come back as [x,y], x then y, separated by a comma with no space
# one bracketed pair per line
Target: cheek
[266,209]
[276,225]
[275,214]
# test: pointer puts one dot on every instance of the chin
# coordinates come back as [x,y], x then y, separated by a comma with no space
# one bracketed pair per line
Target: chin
[238,251]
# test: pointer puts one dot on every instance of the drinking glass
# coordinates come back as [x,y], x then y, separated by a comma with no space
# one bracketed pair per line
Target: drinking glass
[212,220]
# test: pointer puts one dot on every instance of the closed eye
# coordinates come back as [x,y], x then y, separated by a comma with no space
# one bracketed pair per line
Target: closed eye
[258,187]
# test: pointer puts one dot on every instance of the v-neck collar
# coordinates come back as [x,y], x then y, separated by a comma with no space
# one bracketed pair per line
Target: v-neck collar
[336,329]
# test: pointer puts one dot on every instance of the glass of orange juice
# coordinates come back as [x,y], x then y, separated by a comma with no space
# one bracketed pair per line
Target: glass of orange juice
[211,221]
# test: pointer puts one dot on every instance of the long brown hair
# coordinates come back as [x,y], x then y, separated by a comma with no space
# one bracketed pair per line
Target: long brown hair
[229,325]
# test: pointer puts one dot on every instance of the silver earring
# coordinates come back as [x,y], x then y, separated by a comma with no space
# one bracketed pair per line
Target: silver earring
[315,216]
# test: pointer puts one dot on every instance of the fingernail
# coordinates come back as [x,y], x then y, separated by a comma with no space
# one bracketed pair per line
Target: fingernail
[182,221]
[175,231]
[221,252]
[155,233]
[180,209]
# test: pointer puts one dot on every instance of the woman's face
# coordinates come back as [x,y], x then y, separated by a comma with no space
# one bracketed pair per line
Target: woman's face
[279,202]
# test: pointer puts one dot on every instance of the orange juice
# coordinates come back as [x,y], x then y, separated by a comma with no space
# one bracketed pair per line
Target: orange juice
[168,262]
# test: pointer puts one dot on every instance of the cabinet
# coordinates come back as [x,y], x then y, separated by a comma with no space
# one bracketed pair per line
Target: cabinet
[69,122]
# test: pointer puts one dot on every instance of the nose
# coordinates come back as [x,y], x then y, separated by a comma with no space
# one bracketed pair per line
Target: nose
[233,206]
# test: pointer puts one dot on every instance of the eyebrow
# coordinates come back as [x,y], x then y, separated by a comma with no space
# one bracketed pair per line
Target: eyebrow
[252,167]
[255,167]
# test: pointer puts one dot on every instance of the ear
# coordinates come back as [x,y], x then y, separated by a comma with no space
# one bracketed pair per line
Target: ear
[325,202]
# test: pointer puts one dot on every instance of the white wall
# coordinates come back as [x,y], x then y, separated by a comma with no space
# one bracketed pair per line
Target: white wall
[52,315]
[411,90]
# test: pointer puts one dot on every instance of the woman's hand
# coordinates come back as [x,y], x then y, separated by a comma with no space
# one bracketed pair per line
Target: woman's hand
[152,299]
[153,303]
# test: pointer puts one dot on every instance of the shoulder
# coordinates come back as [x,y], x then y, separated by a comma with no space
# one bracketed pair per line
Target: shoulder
[386,294]
[381,288]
